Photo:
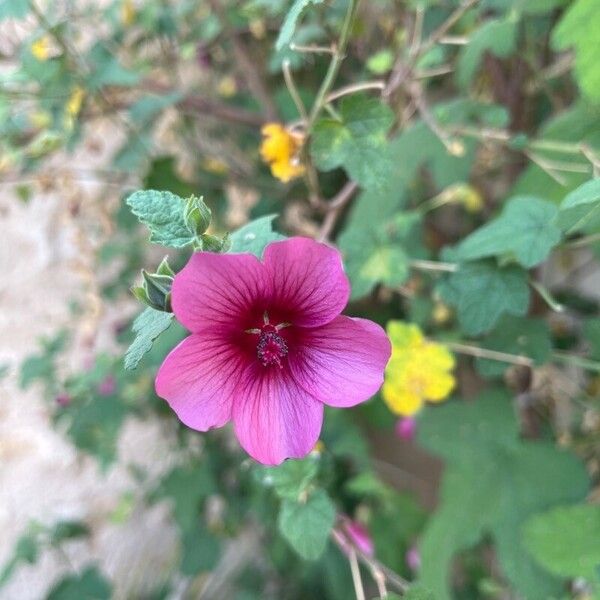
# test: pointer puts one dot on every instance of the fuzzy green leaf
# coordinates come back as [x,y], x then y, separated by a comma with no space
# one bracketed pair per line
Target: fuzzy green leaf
[147,327]
[288,27]
[526,230]
[291,478]
[581,208]
[482,292]
[306,526]
[566,540]
[492,484]
[578,28]
[163,214]
[255,236]
[357,142]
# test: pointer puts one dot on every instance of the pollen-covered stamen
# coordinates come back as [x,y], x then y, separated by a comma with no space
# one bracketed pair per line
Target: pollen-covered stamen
[271,347]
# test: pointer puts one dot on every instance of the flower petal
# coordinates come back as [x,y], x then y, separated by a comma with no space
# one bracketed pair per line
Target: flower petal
[341,363]
[198,378]
[218,289]
[307,280]
[274,419]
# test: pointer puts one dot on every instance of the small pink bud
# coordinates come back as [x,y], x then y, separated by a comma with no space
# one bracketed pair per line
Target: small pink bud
[107,386]
[360,536]
[63,399]
[406,428]
[413,558]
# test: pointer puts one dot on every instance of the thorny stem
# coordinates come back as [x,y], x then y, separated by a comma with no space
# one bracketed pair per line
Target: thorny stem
[334,65]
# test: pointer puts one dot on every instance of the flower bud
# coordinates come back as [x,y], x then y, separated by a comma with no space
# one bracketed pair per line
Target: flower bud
[197,215]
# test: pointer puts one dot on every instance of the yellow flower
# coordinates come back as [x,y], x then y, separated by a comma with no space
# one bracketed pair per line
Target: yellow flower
[75,101]
[418,370]
[280,149]
[127,12]
[41,48]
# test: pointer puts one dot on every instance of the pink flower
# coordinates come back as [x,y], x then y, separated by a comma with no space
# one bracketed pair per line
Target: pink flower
[107,386]
[359,536]
[406,427]
[269,347]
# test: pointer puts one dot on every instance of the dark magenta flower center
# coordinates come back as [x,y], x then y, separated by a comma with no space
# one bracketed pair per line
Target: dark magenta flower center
[271,347]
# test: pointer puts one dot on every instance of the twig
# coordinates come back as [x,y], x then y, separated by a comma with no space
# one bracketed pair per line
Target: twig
[490,354]
[355,87]
[342,541]
[430,265]
[312,49]
[334,209]
[546,296]
[334,65]
[356,578]
[293,90]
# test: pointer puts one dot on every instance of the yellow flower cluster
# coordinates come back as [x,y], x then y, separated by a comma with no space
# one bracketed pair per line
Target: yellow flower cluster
[280,149]
[41,48]
[418,370]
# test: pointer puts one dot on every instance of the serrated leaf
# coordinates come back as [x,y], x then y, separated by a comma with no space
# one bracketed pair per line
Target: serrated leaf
[357,142]
[526,229]
[306,526]
[163,214]
[581,208]
[15,9]
[578,28]
[91,585]
[496,36]
[255,236]
[288,27]
[522,336]
[481,292]
[566,540]
[147,327]
[493,482]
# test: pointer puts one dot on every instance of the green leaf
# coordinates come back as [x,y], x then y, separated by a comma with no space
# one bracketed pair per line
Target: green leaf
[306,526]
[357,142]
[163,214]
[523,336]
[496,36]
[482,292]
[147,326]
[288,27]
[381,62]
[525,230]
[417,592]
[15,9]
[187,487]
[68,530]
[200,550]
[493,482]
[578,28]
[566,540]
[581,208]
[388,265]
[144,110]
[90,585]
[291,478]
[255,236]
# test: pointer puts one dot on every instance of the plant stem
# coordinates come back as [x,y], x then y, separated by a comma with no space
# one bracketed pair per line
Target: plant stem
[546,296]
[293,90]
[356,578]
[334,65]
[490,354]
